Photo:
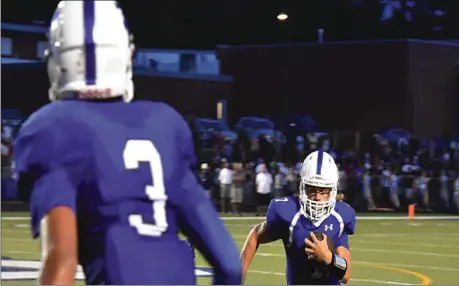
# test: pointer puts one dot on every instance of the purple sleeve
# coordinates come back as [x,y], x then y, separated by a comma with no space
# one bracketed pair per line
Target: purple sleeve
[343,240]
[274,222]
[185,144]
[200,220]
[350,225]
[349,229]
[41,151]
[51,190]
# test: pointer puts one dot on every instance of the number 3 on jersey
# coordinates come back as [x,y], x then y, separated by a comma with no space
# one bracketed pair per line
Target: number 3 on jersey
[136,151]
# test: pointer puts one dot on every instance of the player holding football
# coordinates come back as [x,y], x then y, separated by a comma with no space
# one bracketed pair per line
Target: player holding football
[295,219]
[111,180]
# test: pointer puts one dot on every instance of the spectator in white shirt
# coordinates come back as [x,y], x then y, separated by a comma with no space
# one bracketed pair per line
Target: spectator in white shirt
[264,182]
[279,182]
[342,183]
[444,190]
[237,189]
[225,178]
[259,166]
[385,180]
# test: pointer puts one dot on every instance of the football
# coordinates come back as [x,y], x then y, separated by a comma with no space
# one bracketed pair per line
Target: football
[320,237]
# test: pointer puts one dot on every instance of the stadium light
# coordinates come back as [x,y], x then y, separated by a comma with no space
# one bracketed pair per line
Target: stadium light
[282,17]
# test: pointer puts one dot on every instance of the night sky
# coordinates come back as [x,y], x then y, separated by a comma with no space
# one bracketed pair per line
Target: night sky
[203,24]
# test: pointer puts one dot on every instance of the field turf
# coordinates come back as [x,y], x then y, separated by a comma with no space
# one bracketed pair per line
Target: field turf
[384,251]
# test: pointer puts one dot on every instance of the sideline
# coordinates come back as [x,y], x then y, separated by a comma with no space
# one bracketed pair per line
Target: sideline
[360,218]
[11,218]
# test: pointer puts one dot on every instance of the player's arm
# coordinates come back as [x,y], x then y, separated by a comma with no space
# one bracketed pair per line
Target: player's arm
[201,223]
[39,158]
[198,218]
[53,219]
[59,247]
[345,253]
[257,235]
[270,230]
[53,205]
[337,262]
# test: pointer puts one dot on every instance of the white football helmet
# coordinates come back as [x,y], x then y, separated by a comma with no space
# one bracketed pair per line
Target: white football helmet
[90,51]
[318,170]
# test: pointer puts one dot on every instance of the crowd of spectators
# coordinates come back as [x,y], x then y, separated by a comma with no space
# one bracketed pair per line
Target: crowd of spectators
[384,176]
[245,174]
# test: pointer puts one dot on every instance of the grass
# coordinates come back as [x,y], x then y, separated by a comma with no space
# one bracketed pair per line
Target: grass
[383,251]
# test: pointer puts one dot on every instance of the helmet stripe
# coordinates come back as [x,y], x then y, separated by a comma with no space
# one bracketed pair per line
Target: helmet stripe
[89,45]
[320,158]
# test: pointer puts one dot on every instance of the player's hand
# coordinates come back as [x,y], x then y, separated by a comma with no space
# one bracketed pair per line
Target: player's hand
[318,249]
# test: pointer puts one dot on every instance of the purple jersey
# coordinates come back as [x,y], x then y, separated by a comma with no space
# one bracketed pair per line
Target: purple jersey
[286,222]
[125,171]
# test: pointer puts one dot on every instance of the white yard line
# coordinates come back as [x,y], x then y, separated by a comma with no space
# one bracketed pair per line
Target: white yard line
[26,240]
[379,281]
[267,254]
[409,266]
[404,243]
[14,218]
[352,279]
[37,265]
[361,218]
[407,252]
[423,253]
[437,235]
[20,252]
[12,239]
[352,240]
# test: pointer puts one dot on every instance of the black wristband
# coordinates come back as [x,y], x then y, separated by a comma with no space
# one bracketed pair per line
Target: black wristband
[337,267]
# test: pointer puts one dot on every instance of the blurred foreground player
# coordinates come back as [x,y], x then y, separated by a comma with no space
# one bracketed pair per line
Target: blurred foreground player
[111,180]
[300,221]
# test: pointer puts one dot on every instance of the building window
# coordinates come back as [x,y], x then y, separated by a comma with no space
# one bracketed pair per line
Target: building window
[7,46]
[41,47]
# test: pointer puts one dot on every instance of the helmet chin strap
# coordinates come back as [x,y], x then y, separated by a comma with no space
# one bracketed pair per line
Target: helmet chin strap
[315,222]
[310,209]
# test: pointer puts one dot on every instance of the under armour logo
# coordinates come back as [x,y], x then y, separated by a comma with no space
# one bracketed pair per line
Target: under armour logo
[328,227]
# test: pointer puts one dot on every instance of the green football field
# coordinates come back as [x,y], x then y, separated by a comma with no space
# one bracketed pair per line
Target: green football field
[384,251]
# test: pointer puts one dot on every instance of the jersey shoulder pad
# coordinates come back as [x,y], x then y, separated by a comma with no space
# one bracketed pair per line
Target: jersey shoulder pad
[161,109]
[284,207]
[348,215]
[183,135]
[166,113]
[42,118]
[44,138]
